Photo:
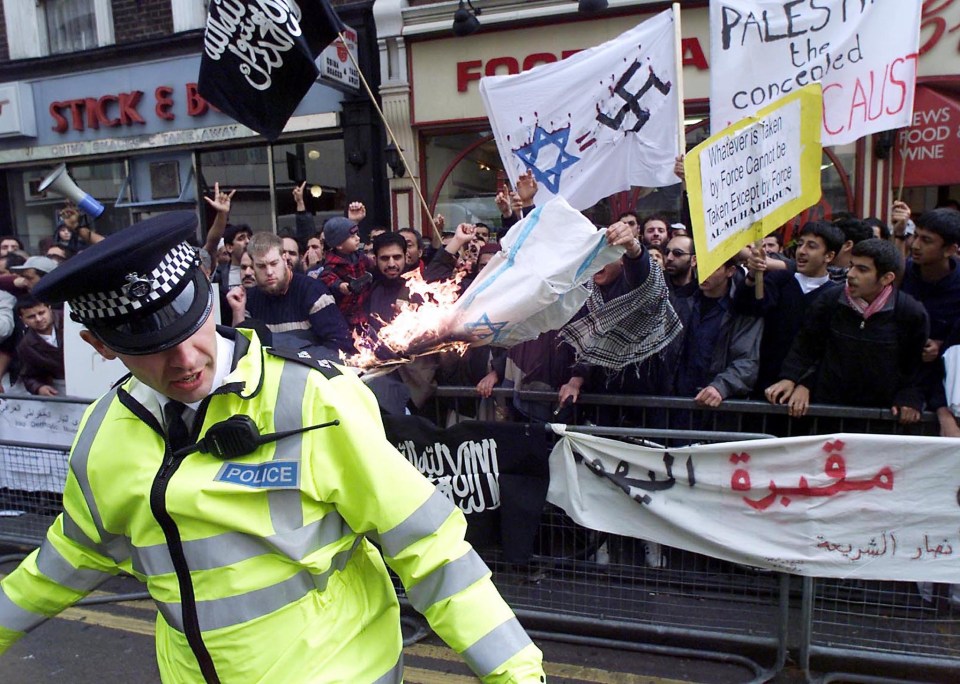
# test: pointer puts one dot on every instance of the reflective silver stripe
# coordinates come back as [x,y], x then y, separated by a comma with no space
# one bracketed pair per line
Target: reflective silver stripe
[14,617]
[422,522]
[234,547]
[57,568]
[447,580]
[286,511]
[116,547]
[78,464]
[234,610]
[497,647]
[395,675]
[72,531]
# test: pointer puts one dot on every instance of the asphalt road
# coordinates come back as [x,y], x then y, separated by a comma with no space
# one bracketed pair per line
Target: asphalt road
[114,642]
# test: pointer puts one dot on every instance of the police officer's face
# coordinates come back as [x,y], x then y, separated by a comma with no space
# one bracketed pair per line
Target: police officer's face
[184,372]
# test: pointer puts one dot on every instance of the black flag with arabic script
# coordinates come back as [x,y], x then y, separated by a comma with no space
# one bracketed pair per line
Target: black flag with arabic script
[258,57]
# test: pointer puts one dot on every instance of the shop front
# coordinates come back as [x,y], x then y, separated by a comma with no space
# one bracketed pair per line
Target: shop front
[140,139]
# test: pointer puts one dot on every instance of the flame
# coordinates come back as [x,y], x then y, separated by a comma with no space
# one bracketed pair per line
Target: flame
[423,325]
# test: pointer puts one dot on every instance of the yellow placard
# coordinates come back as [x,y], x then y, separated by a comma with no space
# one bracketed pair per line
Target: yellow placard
[750,178]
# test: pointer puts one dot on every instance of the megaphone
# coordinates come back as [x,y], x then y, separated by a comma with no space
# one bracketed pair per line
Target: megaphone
[61,183]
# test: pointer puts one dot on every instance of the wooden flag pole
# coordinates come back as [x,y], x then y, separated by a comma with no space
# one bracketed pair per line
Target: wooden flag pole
[393,139]
[678,47]
[758,277]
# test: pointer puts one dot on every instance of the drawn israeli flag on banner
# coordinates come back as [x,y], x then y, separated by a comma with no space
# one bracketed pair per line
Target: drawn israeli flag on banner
[535,283]
[595,123]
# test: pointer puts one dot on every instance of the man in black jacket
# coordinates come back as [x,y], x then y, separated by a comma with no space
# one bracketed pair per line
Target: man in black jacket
[788,294]
[41,349]
[862,347]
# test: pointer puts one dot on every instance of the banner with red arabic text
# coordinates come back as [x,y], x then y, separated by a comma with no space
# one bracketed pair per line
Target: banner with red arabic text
[851,506]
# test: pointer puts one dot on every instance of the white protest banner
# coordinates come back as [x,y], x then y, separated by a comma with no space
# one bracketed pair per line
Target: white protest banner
[747,180]
[595,123]
[851,506]
[534,283]
[41,421]
[864,54]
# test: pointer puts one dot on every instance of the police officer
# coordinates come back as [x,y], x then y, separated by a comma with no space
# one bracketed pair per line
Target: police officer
[244,489]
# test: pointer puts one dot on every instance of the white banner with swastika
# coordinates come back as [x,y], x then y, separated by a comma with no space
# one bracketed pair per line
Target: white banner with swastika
[595,123]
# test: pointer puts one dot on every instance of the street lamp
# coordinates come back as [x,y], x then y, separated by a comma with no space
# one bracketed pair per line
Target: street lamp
[465,20]
[392,156]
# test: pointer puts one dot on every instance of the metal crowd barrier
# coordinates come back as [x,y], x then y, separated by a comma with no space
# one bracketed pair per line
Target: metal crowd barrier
[582,582]
[585,586]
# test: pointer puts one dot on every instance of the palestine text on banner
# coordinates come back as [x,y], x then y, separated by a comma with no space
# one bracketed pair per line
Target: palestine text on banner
[258,58]
[595,123]
[864,55]
[747,180]
[851,506]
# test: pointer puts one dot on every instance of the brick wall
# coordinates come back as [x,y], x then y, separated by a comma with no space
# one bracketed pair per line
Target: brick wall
[136,19]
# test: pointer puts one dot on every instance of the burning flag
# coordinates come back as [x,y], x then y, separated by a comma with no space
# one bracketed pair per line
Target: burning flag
[534,284]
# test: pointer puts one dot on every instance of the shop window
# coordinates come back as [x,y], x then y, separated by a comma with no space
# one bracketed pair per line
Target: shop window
[36,28]
[71,25]
[466,172]
[246,170]
[318,163]
[264,196]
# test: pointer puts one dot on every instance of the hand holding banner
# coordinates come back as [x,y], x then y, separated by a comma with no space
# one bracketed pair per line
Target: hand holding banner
[750,178]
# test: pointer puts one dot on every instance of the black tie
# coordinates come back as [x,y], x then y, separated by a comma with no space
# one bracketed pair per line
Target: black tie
[177,433]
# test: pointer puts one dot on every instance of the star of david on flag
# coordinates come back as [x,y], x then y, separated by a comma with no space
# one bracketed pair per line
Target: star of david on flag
[530,155]
[595,123]
[483,328]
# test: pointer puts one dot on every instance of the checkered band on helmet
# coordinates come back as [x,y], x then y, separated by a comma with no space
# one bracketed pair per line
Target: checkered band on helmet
[168,274]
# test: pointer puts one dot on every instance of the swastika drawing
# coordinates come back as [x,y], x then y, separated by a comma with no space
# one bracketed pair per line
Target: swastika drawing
[632,100]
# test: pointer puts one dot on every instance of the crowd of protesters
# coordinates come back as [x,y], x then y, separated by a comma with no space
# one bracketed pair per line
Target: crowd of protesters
[852,312]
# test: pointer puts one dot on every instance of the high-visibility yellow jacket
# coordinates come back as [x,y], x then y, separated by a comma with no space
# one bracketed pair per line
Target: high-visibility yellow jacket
[262,566]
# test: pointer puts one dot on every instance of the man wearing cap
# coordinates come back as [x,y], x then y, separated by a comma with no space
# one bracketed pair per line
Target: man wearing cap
[256,550]
[32,270]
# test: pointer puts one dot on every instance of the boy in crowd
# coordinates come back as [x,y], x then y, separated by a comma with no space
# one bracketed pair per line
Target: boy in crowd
[788,295]
[41,350]
[345,270]
[861,347]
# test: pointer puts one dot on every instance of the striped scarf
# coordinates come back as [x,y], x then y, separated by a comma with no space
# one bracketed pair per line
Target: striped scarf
[864,308]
